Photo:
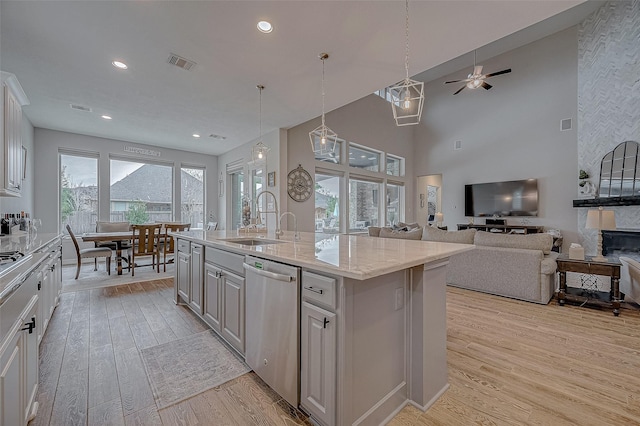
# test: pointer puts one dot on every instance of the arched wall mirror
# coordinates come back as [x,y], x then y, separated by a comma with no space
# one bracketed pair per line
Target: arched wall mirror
[620,171]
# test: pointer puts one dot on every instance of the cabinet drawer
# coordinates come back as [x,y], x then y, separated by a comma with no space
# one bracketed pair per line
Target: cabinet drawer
[319,289]
[229,261]
[184,245]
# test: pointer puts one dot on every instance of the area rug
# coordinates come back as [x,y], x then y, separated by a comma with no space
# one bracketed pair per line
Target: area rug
[186,367]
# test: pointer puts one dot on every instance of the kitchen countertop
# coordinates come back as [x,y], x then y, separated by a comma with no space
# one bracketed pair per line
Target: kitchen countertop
[26,244]
[354,256]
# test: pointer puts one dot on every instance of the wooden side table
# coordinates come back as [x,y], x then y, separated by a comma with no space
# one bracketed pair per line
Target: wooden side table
[611,268]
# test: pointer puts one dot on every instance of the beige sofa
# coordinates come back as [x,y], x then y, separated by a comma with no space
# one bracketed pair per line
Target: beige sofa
[517,266]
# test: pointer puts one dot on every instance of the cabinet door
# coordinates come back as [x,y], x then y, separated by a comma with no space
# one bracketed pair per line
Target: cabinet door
[318,362]
[11,383]
[233,310]
[183,271]
[30,359]
[13,141]
[212,292]
[195,300]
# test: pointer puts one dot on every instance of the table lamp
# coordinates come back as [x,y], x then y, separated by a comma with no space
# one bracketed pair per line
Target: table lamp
[439,219]
[600,219]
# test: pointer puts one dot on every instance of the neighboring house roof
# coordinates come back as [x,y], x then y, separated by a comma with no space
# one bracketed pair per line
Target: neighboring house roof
[152,183]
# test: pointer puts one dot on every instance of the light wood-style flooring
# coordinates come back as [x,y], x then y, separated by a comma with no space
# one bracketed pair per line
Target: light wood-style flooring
[510,363]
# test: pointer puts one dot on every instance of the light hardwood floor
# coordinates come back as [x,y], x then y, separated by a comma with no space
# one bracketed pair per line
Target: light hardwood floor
[510,363]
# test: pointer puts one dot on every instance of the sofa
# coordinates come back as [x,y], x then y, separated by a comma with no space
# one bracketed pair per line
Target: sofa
[517,266]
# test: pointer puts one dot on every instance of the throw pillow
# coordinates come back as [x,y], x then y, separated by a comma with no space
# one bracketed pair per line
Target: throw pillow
[374,231]
[431,233]
[413,234]
[529,241]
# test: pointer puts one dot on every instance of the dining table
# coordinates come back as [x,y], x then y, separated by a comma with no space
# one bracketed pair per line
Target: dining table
[118,237]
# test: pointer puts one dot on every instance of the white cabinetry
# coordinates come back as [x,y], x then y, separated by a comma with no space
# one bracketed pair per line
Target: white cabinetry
[224,296]
[183,270]
[318,347]
[13,97]
[49,286]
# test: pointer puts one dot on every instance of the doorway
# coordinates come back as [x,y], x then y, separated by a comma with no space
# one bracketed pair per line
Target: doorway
[429,198]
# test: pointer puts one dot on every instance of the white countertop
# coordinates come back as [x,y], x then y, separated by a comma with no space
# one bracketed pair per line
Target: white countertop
[26,243]
[358,257]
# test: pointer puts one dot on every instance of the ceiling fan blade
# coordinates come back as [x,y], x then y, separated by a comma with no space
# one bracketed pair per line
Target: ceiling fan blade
[493,74]
[486,85]
[453,81]
[460,90]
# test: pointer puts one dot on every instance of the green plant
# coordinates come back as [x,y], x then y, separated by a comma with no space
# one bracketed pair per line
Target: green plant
[137,213]
[583,175]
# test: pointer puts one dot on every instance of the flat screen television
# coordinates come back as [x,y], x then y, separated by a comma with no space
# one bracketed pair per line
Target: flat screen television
[498,199]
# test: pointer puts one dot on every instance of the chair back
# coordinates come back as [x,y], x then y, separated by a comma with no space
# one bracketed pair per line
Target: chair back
[212,226]
[169,242]
[112,226]
[145,238]
[73,238]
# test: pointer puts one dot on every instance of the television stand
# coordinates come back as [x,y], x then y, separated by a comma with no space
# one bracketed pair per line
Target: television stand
[503,229]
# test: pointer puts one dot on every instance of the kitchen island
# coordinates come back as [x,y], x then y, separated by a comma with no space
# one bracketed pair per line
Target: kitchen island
[370,316]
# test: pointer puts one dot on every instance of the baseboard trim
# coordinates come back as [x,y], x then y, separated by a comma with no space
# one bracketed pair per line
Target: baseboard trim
[432,401]
[386,408]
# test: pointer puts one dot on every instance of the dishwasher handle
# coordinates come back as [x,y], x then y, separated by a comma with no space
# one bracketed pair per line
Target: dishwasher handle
[268,274]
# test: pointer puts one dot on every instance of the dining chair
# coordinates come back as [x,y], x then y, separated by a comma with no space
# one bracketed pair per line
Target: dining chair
[88,253]
[212,226]
[114,227]
[145,243]
[167,245]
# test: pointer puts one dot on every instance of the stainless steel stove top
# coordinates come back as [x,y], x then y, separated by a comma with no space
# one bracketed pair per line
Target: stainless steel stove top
[10,260]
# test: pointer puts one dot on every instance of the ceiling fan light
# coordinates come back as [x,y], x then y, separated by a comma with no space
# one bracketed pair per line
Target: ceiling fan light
[474,84]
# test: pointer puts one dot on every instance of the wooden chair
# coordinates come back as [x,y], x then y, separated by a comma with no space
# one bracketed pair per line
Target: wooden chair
[145,243]
[94,253]
[168,243]
[113,227]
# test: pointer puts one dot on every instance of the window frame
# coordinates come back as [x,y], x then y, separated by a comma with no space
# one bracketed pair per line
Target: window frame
[81,154]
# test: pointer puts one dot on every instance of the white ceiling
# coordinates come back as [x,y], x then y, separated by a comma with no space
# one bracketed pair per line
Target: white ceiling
[61,52]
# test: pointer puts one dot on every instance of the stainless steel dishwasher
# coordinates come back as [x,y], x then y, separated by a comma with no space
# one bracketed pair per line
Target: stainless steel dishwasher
[272,325]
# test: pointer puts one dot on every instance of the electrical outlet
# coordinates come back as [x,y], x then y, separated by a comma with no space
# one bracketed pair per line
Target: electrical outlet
[399,298]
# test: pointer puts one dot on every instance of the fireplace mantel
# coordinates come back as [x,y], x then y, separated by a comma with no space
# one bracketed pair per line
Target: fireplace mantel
[607,201]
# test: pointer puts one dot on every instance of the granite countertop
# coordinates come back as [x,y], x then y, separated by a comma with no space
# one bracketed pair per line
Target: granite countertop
[26,243]
[352,256]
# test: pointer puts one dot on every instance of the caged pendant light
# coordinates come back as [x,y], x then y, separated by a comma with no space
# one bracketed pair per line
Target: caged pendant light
[259,150]
[323,139]
[407,96]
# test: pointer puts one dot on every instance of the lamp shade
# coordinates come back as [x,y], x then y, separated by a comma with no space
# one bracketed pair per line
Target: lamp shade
[601,219]
[439,217]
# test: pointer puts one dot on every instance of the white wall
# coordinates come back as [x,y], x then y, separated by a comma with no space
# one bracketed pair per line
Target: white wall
[276,157]
[510,132]
[26,201]
[48,142]
[367,121]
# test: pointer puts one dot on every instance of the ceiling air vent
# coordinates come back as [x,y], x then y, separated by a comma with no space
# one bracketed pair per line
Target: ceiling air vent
[220,137]
[180,62]
[80,107]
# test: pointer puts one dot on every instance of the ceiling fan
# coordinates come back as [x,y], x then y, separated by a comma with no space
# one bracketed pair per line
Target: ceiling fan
[477,79]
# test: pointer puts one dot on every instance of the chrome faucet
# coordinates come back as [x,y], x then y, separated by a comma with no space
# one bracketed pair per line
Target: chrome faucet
[296,235]
[275,203]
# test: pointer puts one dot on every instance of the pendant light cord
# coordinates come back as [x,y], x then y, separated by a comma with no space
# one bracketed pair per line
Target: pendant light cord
[323,91]
[260,87]
[406,33]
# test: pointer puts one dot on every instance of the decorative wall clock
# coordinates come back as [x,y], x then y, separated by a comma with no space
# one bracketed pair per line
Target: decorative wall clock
[299,184]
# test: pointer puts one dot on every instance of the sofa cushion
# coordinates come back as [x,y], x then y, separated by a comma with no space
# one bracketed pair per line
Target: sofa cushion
[530,241]
[409,226]
[414,234]
[374,231]
[431,233]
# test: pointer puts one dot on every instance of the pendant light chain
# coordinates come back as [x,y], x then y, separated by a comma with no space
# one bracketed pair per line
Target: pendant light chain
[260,87]
[406,33]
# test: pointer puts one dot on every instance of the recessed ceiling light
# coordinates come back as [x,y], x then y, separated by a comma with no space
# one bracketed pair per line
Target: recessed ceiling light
[195,135]
[120,65]
[106,117]
[363,156]
[265,27]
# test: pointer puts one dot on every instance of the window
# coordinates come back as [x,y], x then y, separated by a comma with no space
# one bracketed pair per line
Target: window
[237,197]
[395,203]
[327,208]
[363,158]
[78,193]
[192,194]
[141,192]
[332,157]
[395,165]
[364,209]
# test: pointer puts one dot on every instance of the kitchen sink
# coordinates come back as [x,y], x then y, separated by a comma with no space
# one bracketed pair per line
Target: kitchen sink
[252,241]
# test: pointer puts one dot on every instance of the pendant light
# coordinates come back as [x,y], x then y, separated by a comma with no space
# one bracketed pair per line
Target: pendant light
[407,96]
[323,139]
[259,150]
